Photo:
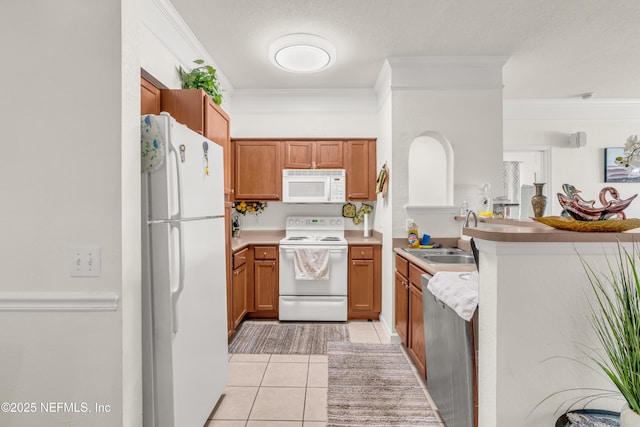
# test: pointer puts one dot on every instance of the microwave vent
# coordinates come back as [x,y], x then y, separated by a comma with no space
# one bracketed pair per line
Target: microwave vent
[313,172]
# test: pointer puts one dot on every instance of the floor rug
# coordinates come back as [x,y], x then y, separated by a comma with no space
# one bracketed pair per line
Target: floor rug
[373,385]
[286,338]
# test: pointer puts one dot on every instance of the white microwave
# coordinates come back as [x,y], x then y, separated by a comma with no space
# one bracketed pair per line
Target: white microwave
[313,186]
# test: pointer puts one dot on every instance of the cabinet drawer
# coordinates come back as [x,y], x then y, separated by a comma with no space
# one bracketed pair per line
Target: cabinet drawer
[402,266]
[265,252]
[361,252]
[415,274]
[240,258]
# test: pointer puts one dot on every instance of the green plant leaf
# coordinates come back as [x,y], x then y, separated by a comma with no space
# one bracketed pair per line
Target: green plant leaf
[203,77]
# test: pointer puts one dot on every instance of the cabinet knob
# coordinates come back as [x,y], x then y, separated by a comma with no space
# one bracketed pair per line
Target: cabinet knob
[264,254]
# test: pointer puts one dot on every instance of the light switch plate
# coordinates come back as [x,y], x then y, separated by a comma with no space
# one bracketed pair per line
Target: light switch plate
[85,262]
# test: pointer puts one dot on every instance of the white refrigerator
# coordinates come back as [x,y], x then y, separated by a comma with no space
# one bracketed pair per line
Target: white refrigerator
[185,366]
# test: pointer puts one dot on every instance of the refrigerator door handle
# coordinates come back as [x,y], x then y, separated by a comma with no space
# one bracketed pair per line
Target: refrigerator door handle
[175,293]
[176,156]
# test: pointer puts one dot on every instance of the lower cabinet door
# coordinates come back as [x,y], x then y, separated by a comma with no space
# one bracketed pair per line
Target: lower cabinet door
[402,308]
[416,329]
[239,297]
[361,285]
[266,285]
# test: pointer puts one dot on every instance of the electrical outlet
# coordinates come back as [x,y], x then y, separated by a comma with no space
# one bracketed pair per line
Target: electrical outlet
[408,224]
[85,262]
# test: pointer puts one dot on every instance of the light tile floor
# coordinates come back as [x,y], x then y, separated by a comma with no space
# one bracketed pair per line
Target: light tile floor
[285,390]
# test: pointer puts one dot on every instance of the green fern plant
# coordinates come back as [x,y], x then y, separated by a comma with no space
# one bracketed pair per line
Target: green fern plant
[616,321]
[202,77]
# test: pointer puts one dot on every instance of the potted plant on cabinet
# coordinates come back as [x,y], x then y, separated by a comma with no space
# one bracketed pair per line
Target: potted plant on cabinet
[202,77]
[616,322]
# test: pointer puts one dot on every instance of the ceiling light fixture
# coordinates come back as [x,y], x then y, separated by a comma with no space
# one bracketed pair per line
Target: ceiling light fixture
[302,53]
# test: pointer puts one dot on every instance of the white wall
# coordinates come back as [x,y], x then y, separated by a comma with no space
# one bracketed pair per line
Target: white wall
[581,167]
[304,124]
[534,331]
[472,122]
[158,61]
[384,218]
[68,150]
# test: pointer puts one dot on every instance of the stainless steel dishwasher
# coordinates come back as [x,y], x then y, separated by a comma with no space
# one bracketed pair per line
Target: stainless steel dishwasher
[451,360]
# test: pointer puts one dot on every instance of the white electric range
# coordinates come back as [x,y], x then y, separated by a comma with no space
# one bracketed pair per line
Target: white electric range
[314,300]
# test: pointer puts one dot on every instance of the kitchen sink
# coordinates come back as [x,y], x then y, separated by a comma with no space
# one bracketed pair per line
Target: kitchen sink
[449,259]
[442,255]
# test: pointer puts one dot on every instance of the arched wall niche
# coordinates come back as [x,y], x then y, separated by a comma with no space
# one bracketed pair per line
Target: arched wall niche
[430,171]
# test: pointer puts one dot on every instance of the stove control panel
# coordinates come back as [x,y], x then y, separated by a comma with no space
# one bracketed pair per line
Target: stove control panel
[315,223]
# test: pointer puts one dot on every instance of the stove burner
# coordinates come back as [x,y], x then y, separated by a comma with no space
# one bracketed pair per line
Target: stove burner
[296,238]
[330,239]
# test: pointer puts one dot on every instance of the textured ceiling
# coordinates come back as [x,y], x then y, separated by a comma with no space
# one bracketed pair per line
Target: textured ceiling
[557,48]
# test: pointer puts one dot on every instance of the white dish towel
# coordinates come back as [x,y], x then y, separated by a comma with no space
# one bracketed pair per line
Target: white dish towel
[311,263]
[459,290]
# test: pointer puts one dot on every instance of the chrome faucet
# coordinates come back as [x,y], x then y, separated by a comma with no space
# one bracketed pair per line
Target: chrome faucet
[475,219]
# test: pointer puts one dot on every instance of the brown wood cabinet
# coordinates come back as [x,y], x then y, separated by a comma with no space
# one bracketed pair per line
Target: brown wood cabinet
[401,287]
[239,287]
[257,170]
[258,163]
[361,170]
[416,346]
[149,97]
[195,109]
[409,319]
[266,292]
[313,154]
[365,282]
[298,154]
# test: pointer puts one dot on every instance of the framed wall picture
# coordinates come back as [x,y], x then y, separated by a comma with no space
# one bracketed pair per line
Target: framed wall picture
[616,173]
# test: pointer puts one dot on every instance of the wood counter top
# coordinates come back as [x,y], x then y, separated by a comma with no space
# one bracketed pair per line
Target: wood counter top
[544,233]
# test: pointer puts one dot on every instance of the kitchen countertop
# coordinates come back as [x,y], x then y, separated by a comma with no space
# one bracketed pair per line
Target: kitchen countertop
[433,268]
[273,237]
[544,233]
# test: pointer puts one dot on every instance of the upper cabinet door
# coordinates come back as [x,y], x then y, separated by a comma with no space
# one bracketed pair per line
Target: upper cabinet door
[329,155]
[313,154]
[298,154]
[186,106]
[149,97]
[361,174]
[217,128]
[257,170]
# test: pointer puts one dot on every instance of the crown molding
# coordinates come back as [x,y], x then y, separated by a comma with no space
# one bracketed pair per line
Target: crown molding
[164,22]
[571,109]
[446,72]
